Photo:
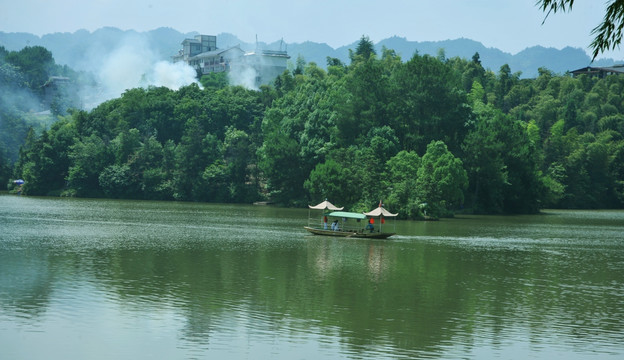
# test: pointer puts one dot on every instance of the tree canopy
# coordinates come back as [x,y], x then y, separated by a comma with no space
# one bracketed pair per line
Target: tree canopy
[426,134]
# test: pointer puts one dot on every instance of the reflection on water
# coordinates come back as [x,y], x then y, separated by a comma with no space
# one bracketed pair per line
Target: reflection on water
[105,279]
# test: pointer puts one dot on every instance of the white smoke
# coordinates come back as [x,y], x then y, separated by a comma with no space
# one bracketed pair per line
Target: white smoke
[172,75]
[130,65]
[244,76]
[125,67]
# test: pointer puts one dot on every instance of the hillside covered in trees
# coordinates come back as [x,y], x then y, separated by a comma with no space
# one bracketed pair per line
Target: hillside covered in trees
[29,99]
[429,133]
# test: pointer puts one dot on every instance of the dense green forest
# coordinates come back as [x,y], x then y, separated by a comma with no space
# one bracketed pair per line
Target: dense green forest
[427,134]
[25,77]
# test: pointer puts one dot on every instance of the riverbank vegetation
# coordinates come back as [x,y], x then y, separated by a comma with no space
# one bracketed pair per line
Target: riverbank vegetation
[426,134]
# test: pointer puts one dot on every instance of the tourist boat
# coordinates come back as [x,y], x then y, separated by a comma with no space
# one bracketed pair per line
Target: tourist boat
[335,222]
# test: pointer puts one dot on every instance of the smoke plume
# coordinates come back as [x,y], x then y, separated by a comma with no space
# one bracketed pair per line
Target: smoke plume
[244,76]
[130,65]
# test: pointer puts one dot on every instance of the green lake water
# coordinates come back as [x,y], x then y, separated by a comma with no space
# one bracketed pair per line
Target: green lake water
[109,279]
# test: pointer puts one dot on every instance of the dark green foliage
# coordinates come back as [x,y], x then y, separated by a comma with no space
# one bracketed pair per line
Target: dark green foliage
[428,104]
[441,179]
[35,63]
[281,165]
[214,81]
[327,181]
[430,134]
[5,168]
[364,50]
[44,161]
[400,179]
[152,144]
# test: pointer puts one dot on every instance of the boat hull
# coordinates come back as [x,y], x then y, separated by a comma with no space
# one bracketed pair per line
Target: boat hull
[355,234]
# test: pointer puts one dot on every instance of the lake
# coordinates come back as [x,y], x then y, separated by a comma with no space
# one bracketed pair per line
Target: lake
[111,279]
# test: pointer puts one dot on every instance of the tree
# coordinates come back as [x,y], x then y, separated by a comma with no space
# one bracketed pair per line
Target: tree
[472,71]
[5,169]
[485,165]
[151,167]
[383,142]
[300,65]
[327,181]
[364,50]
[426,102]
[44,160]
[332,61]
[502,163]
[280,164]
[318,137]
[616,169]
[196,150]
[89,157]
[116,181]
[608,34]
[545,113]
[506,80]
[441,179]
[232,106]
[125,145]
[35,63]
[401,180]
[186,108]
[215,80]
[237,156]
[364,101]
[339,177]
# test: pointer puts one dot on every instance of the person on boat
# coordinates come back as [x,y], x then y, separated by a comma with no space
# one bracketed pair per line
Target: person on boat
[335,225]
[370,225]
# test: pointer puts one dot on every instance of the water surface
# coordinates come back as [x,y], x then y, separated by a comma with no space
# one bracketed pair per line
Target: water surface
[103,279]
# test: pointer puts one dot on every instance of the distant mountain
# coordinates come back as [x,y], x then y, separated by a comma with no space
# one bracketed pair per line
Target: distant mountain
[82,49]
[527,61]
[463,48]
[314,52]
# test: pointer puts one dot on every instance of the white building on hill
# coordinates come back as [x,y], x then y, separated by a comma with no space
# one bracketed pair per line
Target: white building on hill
[257,67]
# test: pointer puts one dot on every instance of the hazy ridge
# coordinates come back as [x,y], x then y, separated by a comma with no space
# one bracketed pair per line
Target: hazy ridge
[78,49]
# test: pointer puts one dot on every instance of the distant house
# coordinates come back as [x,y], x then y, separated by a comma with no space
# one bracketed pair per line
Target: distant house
[203,54]
[269,64]
[216,60]
[55,87]
[600,72]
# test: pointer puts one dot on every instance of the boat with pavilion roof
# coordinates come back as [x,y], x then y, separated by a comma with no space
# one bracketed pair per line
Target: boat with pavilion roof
[335,222]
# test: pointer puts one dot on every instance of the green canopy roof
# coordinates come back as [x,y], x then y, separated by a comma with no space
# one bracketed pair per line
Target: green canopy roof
[346,214]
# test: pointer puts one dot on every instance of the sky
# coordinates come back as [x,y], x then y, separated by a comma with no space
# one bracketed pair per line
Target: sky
[509,25]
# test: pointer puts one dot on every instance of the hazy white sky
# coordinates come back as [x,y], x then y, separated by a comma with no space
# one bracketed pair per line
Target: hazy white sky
[510,25]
